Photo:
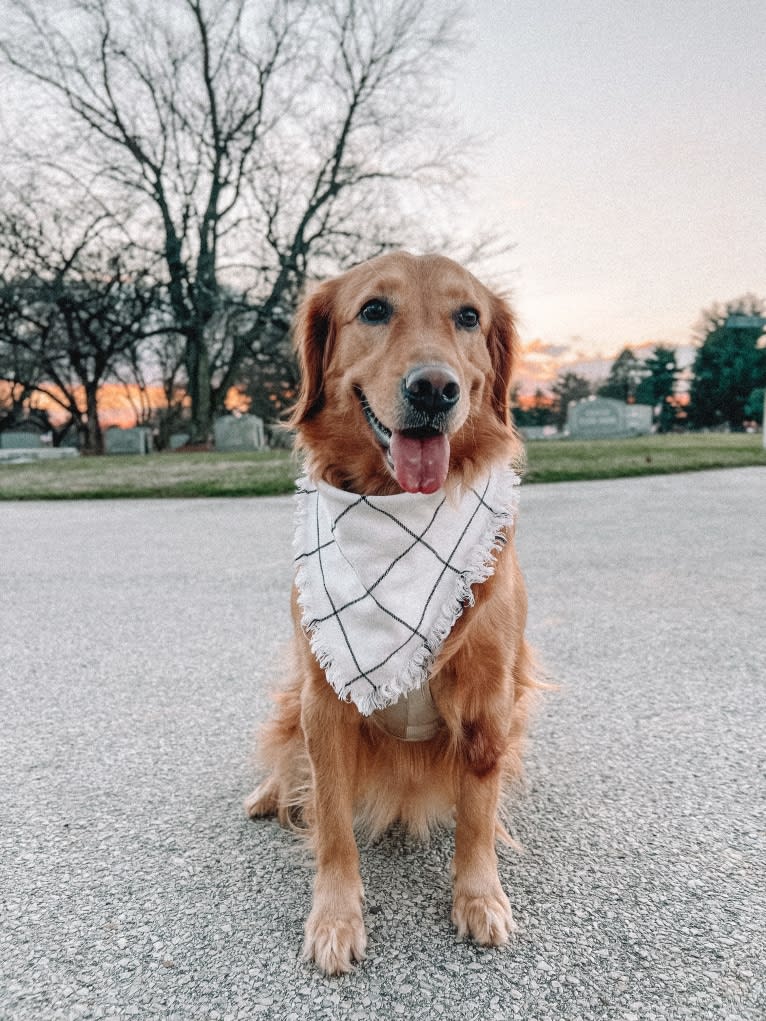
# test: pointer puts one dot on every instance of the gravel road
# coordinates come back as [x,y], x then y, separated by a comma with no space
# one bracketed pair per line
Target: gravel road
[138,642]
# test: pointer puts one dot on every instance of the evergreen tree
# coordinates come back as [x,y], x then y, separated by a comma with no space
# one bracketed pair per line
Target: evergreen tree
[658,385]
[624,377]
[729,364]
[567,388]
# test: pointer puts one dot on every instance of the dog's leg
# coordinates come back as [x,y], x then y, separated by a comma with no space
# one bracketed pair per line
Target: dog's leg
[480,907]
[281,750]
[264,800]
[335,933]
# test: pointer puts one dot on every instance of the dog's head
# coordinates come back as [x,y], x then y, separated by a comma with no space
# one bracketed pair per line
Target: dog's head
[406,365]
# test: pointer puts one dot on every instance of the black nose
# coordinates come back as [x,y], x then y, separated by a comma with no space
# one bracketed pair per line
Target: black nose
[431,388]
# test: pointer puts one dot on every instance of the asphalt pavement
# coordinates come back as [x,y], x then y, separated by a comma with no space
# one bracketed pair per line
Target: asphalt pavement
[138,644]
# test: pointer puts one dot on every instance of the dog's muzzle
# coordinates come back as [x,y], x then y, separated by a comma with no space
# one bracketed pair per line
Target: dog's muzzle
[430,392]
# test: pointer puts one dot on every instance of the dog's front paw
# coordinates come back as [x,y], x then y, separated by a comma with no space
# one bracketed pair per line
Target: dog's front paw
[334,941]
[485,917]
[264,800]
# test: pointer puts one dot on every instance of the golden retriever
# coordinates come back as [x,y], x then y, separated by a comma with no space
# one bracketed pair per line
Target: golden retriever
[406,366]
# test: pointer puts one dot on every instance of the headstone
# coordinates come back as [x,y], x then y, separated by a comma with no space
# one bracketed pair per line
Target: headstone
[28,456]
[639,419]
[279,437]
[239,432]
[178,440]
[604,418]
[538,432]
[128,441]
[70,440]
[19,440]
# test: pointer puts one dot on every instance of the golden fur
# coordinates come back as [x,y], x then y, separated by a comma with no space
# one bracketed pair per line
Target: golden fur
[328,765]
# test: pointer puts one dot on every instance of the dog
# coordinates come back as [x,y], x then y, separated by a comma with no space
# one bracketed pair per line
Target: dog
[406,365]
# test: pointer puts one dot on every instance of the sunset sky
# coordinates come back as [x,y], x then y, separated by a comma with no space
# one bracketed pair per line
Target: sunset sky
[624,151]
[621,147]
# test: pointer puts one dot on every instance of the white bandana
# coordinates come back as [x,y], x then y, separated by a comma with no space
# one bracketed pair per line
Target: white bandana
[382,579]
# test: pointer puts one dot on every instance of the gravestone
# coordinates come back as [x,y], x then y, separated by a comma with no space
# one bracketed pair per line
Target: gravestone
[242,432]
[70,440]
[538,432]
[178,440]
[639,419]
[596,417]
[29,455]
[19,440]
[604,418]
[128,441]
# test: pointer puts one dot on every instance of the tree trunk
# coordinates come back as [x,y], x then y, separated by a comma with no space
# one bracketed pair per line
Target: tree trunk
[94,438]
[198,372]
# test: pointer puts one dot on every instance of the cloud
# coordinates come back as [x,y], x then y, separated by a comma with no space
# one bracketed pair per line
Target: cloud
[540,348]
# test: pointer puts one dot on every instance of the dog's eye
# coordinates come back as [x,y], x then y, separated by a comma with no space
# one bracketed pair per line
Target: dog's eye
[467,318]
[375,311]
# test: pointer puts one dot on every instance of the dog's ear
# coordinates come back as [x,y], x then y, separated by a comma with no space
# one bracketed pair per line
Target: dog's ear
[502,341]
[313,336]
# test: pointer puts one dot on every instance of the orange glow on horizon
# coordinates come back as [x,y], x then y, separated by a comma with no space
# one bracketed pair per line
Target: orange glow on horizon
[118,404]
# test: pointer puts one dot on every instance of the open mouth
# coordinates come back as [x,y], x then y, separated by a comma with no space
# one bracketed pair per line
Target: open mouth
[382,434]
[417,457]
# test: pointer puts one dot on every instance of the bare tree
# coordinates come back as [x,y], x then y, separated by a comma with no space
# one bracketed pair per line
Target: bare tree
[20,368]
[71,305]
[156,364]
[259,143]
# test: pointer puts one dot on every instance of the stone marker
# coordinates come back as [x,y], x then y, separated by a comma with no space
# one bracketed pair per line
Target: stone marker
[21,455]
[239,432]
[538,432]
[128,441]
[178,440]
[639,419]
[10,440]
[604,418]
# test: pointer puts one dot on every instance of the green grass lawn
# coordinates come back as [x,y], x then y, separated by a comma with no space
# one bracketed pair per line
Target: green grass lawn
[568,460]
[273,472]
[155,475]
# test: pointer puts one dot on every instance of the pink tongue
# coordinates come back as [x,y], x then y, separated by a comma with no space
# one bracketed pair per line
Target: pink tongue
[420,466]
